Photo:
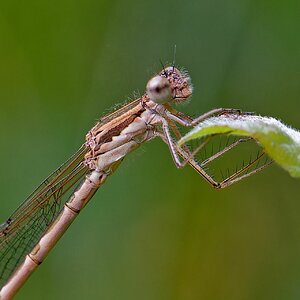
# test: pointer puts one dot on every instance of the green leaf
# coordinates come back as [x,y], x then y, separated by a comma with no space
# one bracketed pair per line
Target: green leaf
[279,141]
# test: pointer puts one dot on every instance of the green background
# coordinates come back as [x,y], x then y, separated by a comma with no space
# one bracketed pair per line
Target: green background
[152,232]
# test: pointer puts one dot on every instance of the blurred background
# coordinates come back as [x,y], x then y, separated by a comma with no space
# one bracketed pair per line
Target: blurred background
[152,232]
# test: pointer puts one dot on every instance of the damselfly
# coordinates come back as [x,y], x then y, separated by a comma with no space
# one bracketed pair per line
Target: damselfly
[37,224]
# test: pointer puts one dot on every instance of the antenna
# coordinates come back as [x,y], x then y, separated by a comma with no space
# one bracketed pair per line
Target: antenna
[174,57]
[163,66]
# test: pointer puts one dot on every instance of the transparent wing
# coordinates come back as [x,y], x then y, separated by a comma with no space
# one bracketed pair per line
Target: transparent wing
[20,233]
[24,228]
[124,108]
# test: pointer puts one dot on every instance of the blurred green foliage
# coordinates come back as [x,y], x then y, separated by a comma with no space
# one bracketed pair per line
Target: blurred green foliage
[152,232]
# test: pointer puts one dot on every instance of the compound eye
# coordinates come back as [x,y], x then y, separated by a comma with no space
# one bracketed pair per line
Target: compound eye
[159,90]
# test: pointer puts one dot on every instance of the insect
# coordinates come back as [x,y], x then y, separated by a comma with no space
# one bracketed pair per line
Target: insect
[38,223]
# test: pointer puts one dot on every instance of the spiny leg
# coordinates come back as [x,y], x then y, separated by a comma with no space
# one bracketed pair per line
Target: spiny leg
[185,155]
[224,150]
[188,157]
[188,121]
[239,174]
